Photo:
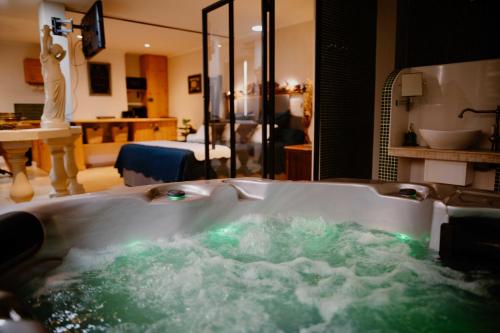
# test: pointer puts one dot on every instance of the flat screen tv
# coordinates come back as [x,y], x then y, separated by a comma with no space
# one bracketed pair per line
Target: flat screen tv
[92,25]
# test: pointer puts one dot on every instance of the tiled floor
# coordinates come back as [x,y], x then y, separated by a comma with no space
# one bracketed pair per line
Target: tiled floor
[93,180]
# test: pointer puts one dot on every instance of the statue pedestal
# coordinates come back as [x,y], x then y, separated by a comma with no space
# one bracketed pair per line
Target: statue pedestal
[54,124]
[63,172]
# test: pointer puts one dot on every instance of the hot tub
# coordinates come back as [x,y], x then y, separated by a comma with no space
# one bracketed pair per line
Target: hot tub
[248,227]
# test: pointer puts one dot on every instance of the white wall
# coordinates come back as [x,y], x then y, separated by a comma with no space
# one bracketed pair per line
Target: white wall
[13,88]
[294,56]
[448,89]
[181,104]
[294,62]
[86,106]
[295,53]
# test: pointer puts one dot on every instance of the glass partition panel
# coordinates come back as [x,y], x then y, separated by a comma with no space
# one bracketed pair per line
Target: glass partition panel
[240,89]
[293,84]
[248,87]
[217,54]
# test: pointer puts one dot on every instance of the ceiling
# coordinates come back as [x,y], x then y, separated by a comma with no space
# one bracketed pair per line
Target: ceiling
[18,21]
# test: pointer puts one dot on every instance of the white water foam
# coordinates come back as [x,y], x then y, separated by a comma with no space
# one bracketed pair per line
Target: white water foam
[263,274]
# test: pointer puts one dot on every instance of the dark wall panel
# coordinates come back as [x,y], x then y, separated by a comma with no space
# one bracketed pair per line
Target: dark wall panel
[345,72]
[432,32]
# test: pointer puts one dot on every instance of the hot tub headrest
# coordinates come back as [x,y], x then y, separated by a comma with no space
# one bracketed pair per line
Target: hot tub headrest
[21,235]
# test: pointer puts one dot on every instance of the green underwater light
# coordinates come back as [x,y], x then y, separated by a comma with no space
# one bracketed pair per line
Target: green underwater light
[403,237]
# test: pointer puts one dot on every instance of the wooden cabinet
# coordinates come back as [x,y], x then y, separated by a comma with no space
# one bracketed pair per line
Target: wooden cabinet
[119,133]
[33,71]
[154,69]
[143,132]
[156,130]
[167,130]
[298,162]
[113,133]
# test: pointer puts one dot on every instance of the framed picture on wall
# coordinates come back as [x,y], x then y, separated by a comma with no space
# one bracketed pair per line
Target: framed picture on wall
[194,84]
[99,78]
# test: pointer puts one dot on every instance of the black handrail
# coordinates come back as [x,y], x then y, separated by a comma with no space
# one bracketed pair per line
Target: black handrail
[232,117]
[268,89]
[272,88]
[206,91]
[265,103]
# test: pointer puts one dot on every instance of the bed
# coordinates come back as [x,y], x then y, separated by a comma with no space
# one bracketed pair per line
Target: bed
[151,162]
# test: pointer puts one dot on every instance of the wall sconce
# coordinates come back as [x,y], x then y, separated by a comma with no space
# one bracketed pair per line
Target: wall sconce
[411,86]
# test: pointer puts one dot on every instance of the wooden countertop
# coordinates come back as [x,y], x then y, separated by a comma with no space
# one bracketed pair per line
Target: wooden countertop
[303,147]
[479,156]
[122,120]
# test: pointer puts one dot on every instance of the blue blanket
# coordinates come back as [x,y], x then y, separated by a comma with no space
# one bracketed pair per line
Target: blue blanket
[159,163]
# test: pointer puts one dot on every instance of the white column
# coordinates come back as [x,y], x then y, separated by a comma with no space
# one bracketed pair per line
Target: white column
[21,189]
[58,177]
[74,186]
[46,11]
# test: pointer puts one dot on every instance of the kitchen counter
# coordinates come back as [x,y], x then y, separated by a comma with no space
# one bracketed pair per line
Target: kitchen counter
[122,120]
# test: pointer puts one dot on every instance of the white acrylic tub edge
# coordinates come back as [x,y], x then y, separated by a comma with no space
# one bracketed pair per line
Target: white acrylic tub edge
[143,213]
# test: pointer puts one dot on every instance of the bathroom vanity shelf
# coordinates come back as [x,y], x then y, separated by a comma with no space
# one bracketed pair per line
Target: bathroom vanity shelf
[478,156]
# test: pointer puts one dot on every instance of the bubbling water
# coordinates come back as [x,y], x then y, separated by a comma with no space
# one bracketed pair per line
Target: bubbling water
[264,274]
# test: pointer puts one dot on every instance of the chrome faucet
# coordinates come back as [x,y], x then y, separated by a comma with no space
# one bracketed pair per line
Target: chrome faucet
[495,136]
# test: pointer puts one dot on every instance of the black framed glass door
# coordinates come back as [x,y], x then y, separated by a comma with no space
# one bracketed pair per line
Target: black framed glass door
[238,107]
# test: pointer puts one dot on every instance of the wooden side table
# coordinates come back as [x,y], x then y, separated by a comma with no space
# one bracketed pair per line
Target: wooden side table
[298,162]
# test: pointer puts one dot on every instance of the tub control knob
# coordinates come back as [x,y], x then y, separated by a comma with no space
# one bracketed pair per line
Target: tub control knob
[408,193]
[176,194]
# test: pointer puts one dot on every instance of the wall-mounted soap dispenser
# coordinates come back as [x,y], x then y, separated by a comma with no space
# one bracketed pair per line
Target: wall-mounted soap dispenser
[411,86]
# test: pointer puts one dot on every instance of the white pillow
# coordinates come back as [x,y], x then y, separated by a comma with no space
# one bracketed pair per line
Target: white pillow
[199,136]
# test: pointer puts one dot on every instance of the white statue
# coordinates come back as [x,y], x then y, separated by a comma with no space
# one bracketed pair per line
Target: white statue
[54,83]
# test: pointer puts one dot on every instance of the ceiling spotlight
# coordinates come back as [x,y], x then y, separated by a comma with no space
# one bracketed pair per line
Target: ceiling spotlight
[257,28]
[146,45]
[219,45]
[79,36]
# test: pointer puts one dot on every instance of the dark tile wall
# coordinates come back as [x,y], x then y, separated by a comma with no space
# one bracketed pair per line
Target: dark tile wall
[497,179]
[387,165]
[431,32]
[345,79]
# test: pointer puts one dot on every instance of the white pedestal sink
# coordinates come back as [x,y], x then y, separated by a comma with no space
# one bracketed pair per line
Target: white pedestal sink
[456,139]
[449,172]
